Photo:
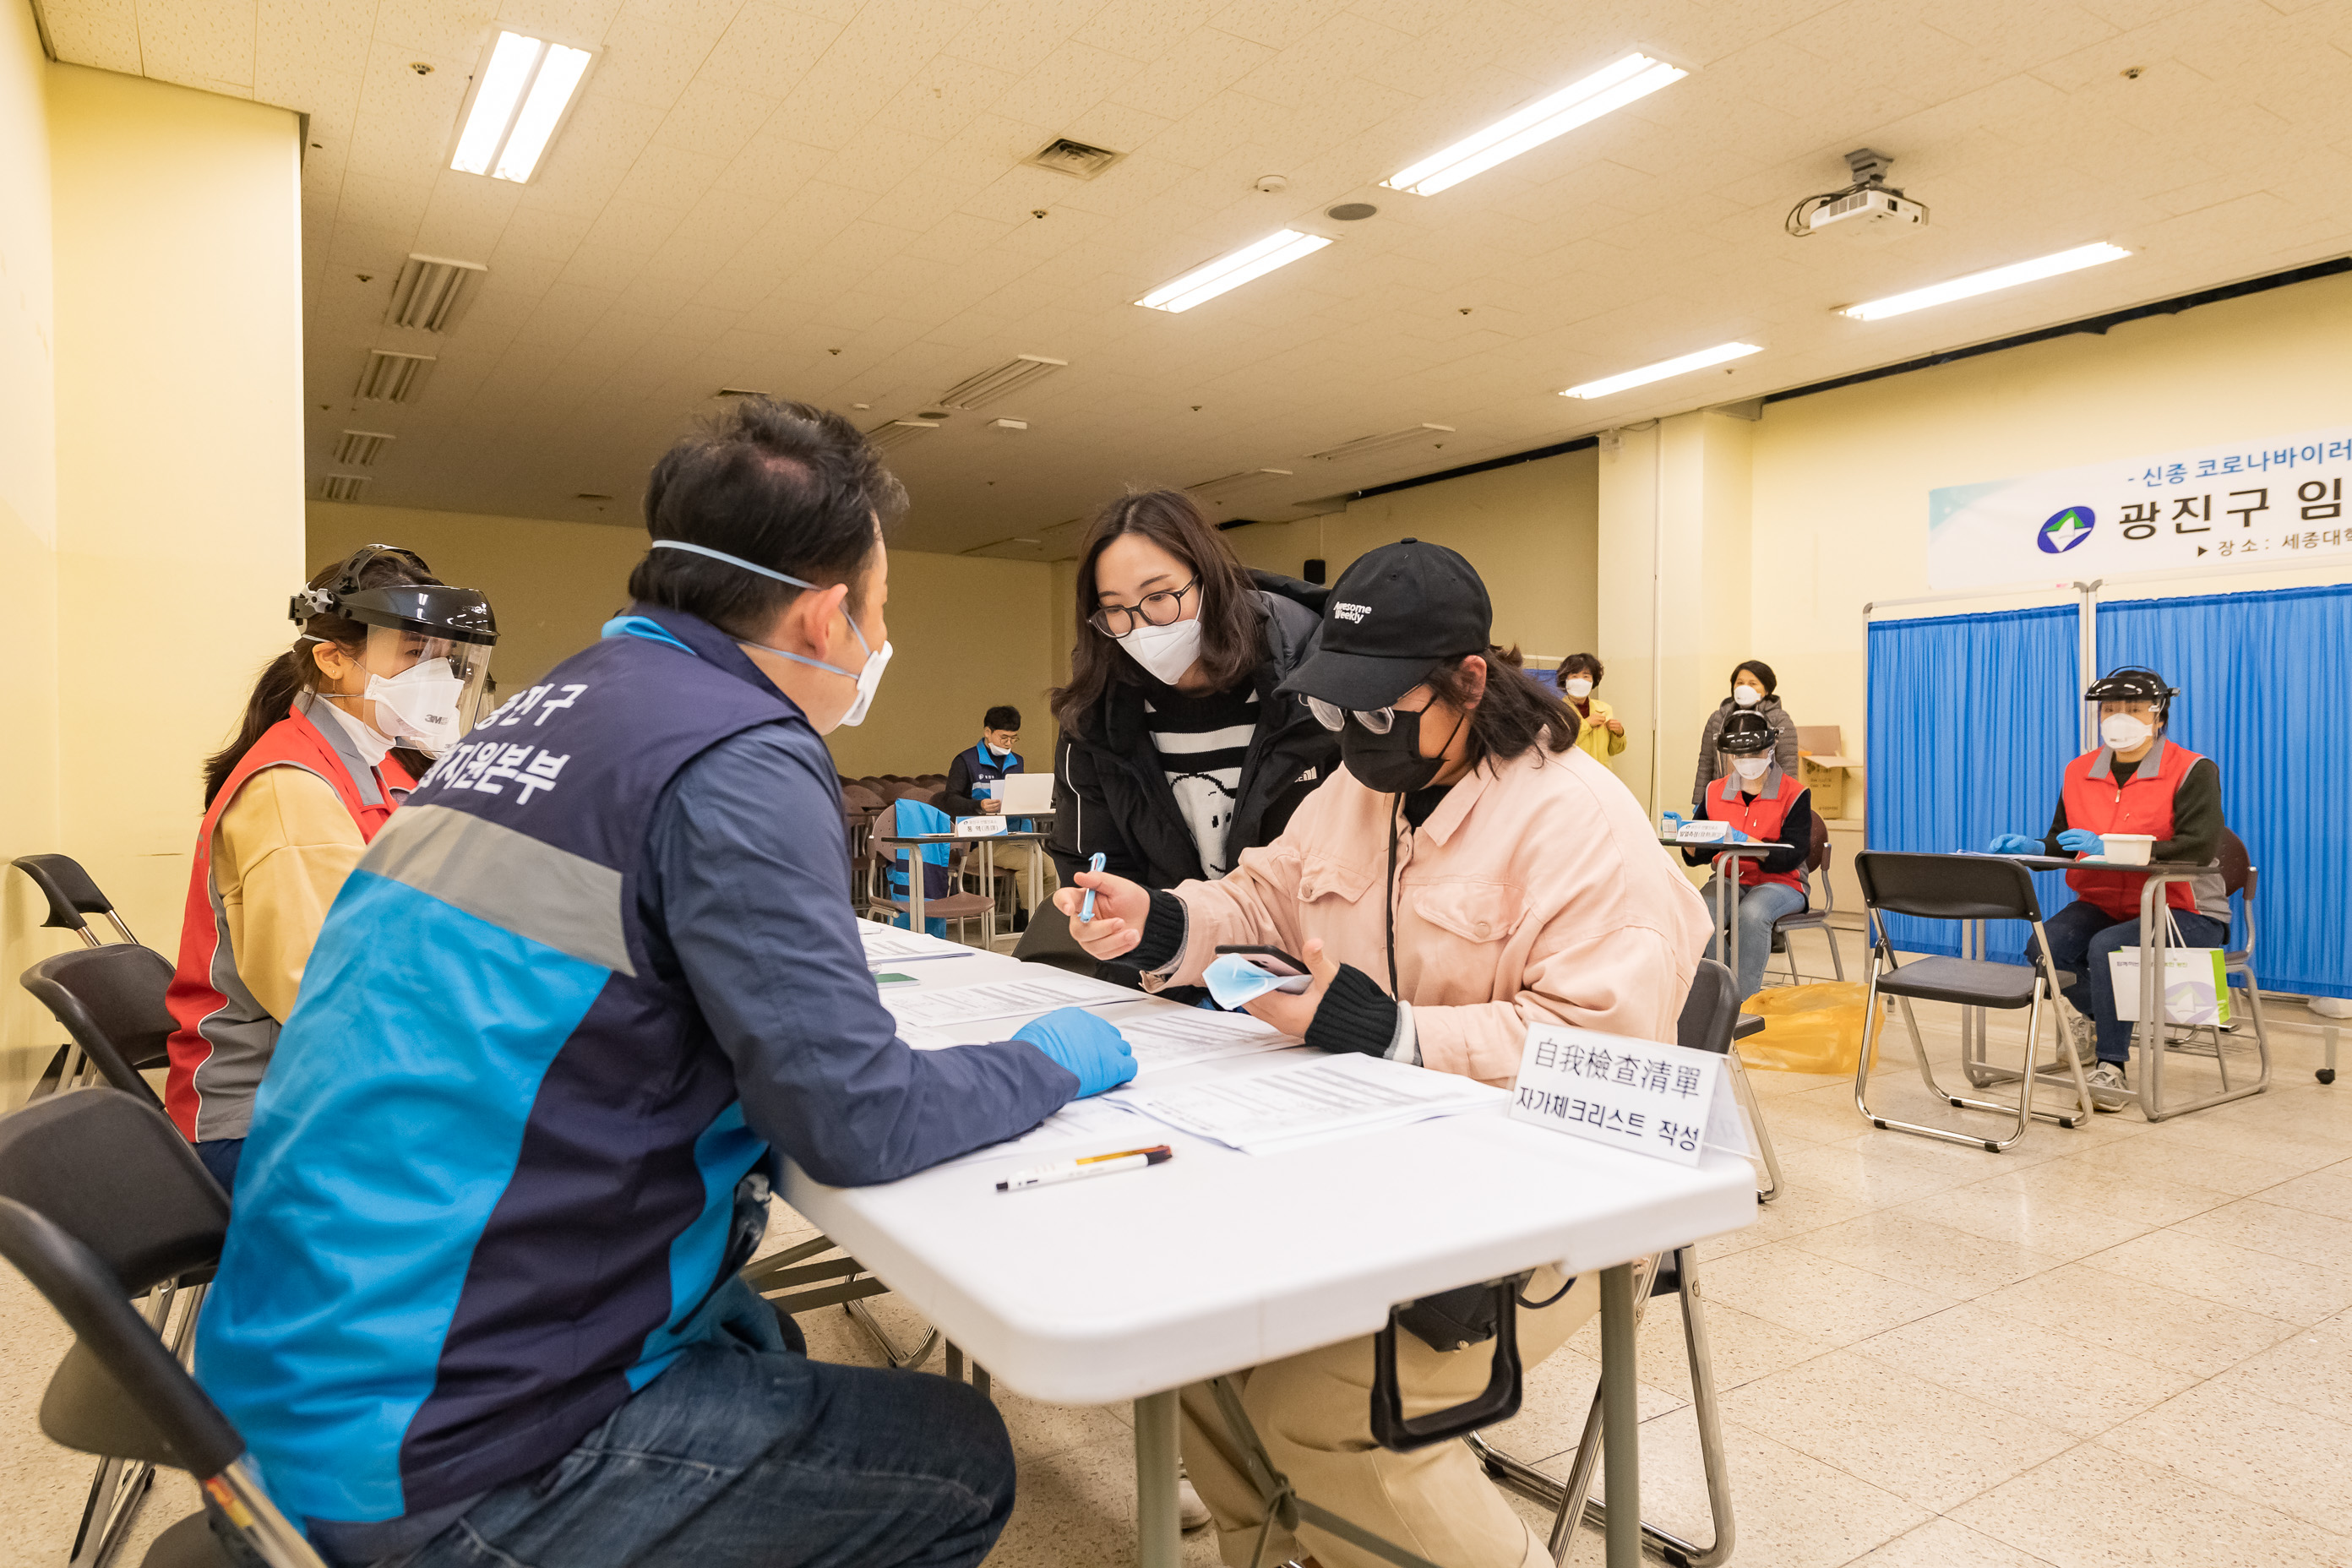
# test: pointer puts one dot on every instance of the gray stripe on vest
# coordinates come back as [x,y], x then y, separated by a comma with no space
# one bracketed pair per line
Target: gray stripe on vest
[242,1034]
[514,881]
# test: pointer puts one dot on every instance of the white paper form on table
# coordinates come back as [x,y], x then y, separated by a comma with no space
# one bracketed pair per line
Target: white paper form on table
[1339,1095]
[1178,1037]
[1641,1096]
[1023,998]
[892,941]
[1101,1123]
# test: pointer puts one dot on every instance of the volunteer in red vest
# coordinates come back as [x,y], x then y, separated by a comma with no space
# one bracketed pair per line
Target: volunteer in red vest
[2136,781]
[1760,800]
[390,663]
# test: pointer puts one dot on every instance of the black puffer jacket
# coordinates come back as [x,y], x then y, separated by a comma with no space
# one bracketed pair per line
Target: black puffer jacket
[1110,794]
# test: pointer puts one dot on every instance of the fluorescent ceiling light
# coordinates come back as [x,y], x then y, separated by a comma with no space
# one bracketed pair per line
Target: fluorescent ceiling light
[539,76]
[1231,271]
[1662,369]
[1985,282]
[1614,86]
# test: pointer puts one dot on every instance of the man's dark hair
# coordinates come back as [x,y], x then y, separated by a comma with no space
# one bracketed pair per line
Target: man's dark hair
[791,487]
[1002,717]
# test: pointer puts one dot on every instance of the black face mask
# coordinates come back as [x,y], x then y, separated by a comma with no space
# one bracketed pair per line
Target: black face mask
[1390,763]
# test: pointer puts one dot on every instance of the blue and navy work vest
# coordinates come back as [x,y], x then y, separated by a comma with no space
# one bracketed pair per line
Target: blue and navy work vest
[987,766]
[491,1185]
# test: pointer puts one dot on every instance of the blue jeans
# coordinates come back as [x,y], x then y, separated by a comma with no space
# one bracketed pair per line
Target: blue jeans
[2081,935]
[219,1157]
[1758,907]
[752,1456]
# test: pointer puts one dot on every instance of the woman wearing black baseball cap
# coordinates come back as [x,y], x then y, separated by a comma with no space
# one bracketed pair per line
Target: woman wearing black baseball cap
[1467,872]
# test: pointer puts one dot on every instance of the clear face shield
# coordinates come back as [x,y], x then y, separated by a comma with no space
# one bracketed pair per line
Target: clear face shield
[421,691]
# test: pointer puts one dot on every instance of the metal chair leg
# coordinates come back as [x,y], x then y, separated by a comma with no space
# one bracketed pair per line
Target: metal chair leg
[1754,1111]
[2022,1112]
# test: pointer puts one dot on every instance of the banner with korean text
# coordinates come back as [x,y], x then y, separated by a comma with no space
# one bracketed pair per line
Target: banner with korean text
[2272,503]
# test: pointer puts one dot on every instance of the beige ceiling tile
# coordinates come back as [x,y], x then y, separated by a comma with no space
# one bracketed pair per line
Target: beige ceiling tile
[368,249]
[773,167]
[593,153]
[436,28]
[668,176]
[630,224]
[944,98]
[1276,23]
[1065,83]
[405,122]
[200,43]
[714,120]
[1017,35]
[768,49]
[1324,65]
[579,24]
[957,238]
[602,267]
[650,60]
[826,109]
[102,33]
[310,43]
[1198,68]
[466,216]
[875,160]
[1143,29]
[396,205]
[536,231]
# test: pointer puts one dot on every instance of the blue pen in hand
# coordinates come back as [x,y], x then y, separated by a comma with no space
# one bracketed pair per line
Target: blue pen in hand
[1087,910]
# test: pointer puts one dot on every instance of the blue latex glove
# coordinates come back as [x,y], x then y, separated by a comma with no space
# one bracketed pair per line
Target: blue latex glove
[2013,843]
[1075,1038]
[2081,841]
[1735,837]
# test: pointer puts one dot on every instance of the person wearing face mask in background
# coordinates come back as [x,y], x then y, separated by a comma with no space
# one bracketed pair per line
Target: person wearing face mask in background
[1753,690]
[479,1299]
[1599,730]
[1763,803]
[1179,752]
[1467,873]
[390,663]
[2138,781]
[971,791]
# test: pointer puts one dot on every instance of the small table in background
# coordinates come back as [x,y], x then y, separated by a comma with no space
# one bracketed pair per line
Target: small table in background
[1728,886]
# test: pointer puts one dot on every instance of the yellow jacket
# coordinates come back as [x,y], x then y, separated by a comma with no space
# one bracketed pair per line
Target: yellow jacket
[1594,735]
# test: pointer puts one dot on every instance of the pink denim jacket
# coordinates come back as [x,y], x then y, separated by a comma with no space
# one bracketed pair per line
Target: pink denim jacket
[1537,892]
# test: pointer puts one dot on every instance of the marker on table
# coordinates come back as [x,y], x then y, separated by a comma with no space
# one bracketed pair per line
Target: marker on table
[1087,910]
[1090,1166]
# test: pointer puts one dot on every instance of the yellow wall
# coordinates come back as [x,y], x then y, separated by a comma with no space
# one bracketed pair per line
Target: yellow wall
[1839,508]
[151,472]
[1531,531]
[28,527]
[967,633]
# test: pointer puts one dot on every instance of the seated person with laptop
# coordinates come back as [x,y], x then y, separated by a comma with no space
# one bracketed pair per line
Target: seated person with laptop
[978,786]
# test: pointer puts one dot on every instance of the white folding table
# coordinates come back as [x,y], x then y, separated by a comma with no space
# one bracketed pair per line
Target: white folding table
[1091,1291]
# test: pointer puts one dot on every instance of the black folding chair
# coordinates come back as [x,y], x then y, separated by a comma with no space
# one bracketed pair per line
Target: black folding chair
[1959,888]
[1710,1017]
[101,1200]
[111,1000]
[72,898]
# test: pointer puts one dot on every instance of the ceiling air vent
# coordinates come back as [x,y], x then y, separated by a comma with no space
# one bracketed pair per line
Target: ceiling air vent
[360,448]
[1020,372]
[1225,485]
[1411,436]
[898,431]
[432,292]
[344,487]
[392,378]
[1075,159]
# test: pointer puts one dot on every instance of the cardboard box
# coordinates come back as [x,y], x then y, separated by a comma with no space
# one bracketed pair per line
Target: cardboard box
[1824,765]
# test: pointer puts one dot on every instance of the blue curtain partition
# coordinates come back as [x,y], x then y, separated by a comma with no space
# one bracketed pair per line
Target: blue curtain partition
[1971,719]
[2261,680]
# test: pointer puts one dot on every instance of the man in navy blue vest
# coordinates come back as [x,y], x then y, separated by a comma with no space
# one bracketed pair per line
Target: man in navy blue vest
[972,791]
[478,1301]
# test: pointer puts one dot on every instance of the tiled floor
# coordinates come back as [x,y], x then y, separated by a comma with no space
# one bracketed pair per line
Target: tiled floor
[2126,1345]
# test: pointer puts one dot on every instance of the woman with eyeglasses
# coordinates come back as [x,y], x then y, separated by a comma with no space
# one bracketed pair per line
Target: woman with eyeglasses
[1469,872]
[1177,752]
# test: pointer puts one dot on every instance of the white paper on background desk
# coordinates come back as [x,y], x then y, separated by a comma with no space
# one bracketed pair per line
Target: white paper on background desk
[1643,1096]
[1177,1037]
[1266,1112]
[1051,988]
[892,941]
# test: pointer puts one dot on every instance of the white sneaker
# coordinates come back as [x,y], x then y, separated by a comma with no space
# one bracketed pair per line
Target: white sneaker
[2083,1033]
[2108,1089]
[1190,1511]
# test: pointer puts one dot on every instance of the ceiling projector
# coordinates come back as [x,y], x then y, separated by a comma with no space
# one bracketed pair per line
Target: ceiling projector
[1875,204]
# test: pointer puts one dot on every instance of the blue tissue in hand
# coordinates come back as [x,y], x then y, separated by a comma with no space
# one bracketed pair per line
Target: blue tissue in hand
[1233,980]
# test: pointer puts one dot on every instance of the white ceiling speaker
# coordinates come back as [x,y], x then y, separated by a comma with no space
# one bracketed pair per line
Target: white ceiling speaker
[343,486]
[1227,484]
[360,448]
[1411,436]
[897,432]
[1075,159]
[1000,380]
[393,377]
[432,292]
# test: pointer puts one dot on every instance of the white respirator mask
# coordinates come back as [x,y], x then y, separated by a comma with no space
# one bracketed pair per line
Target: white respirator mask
[1746,696]
[419,704]
[2122,732]
[868,676]
[1578,687]
[1167,652]
[1750,768]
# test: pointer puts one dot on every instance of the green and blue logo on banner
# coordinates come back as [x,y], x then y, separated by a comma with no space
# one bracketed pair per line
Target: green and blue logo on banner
[2065,530]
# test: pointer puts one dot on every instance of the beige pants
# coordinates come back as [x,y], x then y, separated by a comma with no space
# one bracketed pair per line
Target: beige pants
[1313,1413]
[1018,858]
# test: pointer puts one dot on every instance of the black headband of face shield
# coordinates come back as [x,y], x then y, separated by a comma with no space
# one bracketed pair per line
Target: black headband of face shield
[322,601]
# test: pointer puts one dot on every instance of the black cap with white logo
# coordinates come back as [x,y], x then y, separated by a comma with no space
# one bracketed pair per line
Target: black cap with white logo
[1395,614]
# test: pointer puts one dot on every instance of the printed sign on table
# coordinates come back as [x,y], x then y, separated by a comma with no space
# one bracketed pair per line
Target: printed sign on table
[1639,1095]
[2248,503]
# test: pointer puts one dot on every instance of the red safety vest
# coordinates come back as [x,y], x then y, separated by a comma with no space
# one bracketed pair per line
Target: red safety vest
[2094,801]
[1759,818]
[225,1038]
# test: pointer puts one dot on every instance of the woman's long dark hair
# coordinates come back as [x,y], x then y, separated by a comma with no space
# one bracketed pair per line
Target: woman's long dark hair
[295,671]
[1232,622]
[1514,716]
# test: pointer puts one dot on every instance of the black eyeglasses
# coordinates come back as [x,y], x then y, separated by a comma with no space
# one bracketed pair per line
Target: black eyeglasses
[1161,609]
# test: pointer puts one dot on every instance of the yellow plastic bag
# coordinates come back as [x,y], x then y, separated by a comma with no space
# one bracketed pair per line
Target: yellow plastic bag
[1807,1028]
